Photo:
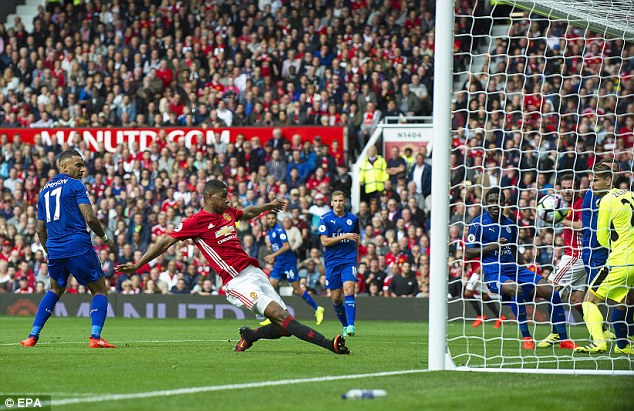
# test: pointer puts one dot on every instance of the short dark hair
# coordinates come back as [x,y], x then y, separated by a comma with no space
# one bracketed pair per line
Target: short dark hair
[570,177]
[610,162]
[603,169]
[67,155]
[495,191]
[213,186]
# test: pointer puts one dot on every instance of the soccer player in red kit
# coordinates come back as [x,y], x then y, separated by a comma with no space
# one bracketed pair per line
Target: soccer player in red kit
[213,230]
[569,277]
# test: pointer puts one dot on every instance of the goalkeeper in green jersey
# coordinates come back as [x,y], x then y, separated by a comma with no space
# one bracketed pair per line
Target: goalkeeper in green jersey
[614,282]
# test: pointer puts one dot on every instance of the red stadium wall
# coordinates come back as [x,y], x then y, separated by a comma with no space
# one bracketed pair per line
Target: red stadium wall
[112,137]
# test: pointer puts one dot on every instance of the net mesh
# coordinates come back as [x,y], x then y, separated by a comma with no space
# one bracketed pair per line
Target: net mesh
[539,93]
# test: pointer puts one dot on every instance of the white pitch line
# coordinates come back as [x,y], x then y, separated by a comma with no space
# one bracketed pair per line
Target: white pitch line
[176,341]
[123,342]
[536,361]
[210,388]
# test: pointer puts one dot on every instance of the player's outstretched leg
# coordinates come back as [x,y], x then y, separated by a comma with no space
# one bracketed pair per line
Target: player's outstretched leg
[44,311]
[284,319]
[269,332]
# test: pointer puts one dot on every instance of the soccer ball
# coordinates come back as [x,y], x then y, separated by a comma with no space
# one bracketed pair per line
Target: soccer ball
[552,208]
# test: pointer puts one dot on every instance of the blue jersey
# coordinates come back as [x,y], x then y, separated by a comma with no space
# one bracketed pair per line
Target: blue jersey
[277,237]
[58,206]
[343,252]
[593,254]
[484,231]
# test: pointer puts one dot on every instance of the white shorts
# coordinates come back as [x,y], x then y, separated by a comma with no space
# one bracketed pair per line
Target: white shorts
[571,273]
[253,290]
[474,284]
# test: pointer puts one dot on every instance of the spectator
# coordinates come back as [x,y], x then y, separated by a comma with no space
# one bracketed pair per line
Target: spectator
[373,174]
[180,287]
[404,283]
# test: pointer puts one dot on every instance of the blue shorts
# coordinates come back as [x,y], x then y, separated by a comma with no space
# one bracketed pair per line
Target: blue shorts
[336,276]
[86,268]
[290,273]
[525,277]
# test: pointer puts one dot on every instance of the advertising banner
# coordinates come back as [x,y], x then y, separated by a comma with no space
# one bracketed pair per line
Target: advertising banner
[217,307]
[110,138]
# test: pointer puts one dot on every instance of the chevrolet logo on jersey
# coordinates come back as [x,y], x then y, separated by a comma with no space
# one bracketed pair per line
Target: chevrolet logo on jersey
[226,230]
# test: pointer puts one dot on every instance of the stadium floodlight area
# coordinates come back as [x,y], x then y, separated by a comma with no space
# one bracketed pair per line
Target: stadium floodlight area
[539,88]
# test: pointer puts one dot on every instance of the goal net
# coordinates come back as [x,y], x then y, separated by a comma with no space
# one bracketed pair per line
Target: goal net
[541,90]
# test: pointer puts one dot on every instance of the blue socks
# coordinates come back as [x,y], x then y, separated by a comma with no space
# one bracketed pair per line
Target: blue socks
[44,311]
[341,314]
[519,311]
[351,309]
[558,317]
[629,319]
[309,300]
[98,313]
[620,328]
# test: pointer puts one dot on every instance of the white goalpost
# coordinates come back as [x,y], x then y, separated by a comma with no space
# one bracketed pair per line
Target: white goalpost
[524,92]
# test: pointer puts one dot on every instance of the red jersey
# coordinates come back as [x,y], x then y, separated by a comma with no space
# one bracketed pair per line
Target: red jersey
[216,237]
[573,238]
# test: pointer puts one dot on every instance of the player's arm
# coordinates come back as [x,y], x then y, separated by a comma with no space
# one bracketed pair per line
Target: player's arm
[254,211]
[519,257]
[574,222]
[94,224]
[285,247]
[162,244]
[477,252]
[329,241]
[40,229]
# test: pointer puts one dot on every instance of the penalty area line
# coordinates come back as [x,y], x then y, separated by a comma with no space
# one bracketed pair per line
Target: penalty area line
[211,388]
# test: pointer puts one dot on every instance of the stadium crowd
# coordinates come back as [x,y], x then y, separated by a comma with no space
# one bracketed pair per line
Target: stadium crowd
[171,63]
[278,63]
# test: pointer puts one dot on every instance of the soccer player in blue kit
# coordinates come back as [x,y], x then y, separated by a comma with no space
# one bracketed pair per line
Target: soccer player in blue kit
[339,233]
[593,254]
[285,265]
[63,210]
[492,238]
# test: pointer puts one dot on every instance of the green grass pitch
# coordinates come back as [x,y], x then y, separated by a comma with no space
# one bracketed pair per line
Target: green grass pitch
[190,365]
